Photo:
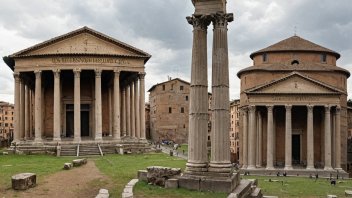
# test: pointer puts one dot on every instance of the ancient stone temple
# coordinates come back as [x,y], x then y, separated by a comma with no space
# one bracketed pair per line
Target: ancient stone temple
[82,86]
[294,112]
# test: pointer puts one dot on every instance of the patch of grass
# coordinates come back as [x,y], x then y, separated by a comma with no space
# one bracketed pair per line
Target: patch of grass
[183,147]
[42,165]
[300,187]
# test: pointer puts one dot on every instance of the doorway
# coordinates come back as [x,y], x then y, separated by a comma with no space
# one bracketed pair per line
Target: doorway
[296,149]
[69,124]
[85,123]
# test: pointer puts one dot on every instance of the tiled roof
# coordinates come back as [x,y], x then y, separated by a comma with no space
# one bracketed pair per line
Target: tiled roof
[295,43]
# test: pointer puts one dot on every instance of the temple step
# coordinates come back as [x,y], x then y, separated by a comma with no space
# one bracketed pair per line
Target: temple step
[89,150]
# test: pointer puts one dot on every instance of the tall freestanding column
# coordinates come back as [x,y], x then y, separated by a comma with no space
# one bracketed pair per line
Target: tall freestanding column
[338,138]
[310,138]
[98,108]
[259,140]
[142,104]
[16,134]
[270,138]
[288,138]
[327,139]
[117,130]
[123,111]
[133,113]
[26,113]
[251,138]
[77,105]
[57,101]
[128,110]
[198,107]
[220,141]
[136,104]
[245,139]
[38,106]
[22,109]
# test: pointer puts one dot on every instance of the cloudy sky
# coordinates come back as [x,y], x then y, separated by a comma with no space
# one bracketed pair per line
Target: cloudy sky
[159,27]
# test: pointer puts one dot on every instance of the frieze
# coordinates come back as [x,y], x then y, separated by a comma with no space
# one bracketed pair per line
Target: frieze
[118,61]
[296,98]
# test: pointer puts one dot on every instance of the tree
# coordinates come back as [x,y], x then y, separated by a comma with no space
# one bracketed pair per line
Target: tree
[349,103]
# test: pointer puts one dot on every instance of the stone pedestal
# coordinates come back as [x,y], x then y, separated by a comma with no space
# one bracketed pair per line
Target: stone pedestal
[23,181]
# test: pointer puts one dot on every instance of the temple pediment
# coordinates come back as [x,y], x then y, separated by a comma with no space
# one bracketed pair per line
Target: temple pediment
[80,42]
[295,83]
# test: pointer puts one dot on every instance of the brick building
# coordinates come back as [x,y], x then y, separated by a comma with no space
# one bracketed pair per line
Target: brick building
[234,130]
[6,122]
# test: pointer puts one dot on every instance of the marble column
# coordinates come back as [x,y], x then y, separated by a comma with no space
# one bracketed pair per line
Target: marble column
[22,108]
[260,140]
[110,111]
[198,107]
[30,115]
[117,130]
[16,121]
[310,138]
[123,111]
[98,108]
[251,138]
[327,139]
[142,105]
[220,150]
[57,106]
[270,140]
[137,115]
[38,106]
[245,139]
[133,109]
[288,138]
[128,110]
[338,138]
[77,105]
[26,113]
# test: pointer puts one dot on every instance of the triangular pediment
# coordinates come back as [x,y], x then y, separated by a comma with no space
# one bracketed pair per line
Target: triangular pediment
[295,83]
[82,41]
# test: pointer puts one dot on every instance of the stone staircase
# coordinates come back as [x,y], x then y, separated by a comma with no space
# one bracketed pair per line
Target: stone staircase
[108,149]
[89,150]
[68,150]
[247,188]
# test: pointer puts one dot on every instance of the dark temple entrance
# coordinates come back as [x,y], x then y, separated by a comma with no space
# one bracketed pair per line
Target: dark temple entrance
[296,149]
[84,120]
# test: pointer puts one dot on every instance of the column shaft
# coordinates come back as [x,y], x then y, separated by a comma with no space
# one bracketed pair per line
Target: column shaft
[22,109]
[260,140]
[26,113]
[198,107]
[124,111]
[57,106]
[142,105]
[338,138]
[128,110]
[327,139]
[98,108]
[117,130]
[137,115]
[77,105]
[288,138]
[133,113]
[251,138]
[310,138]
[270,140]
[16,123]
[245,139]
[111,113]
[38,106]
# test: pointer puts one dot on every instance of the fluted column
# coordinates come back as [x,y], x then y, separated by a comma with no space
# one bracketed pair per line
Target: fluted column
[38,106]
[128,110]
[98,108]
[260,141]
[30,99]
[117,130]
[136,104]
[133,109]
[251,138]
[198,107]
[77,105]
[220,141]
[327,139]
[111,113]
[245,139]
[26,113]
[142,105]
[310,137]
[16,122]
[22,108]
[57,106]
[288,138]
[124,111]
[338,138]
[270,138]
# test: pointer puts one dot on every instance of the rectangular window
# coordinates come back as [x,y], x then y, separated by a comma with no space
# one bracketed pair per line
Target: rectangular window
[181,87]
[265,57]
[172,87]
[6,124]
[186,98]
[182,110]
[163,87]
[170,110]
[323,58]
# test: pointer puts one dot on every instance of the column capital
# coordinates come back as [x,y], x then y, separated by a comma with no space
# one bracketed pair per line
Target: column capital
[97,72]
[220,19]
[310,107]
[77,72]
[16,75]
[56,73]
[141,75]
[117,71]
[288,107]
[327,108]
[199,21]
[38,73]
[270,108]
[251,108]
[338,109]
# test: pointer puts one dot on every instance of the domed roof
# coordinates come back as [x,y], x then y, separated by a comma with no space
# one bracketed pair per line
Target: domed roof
[295,43]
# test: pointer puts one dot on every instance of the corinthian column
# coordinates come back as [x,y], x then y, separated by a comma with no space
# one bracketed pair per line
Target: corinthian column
[198,107]
[136,104]
[288,138]
[117,131]
[270,138]
[220,141]
[141,104]
[16,122]
[123,111]
[133,113]
[57,100]
[38,106]
[310,138]
[338,138]
[22,109]
[77,105]
[327,139]
[26,113]
[245,139]
[98,109]
[128,110]
[251,138]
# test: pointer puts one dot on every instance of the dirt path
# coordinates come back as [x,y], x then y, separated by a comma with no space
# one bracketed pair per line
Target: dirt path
[84,181]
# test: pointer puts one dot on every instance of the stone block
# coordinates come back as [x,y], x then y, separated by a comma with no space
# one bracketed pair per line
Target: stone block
[79,162]
[132,182]
[171,183]
[5,153]
[67,166]
[217,185]
[127,195]
[23,181]
[189,183]
[331,196]
[142,175]
[348,193]
[157,175]
[103,193]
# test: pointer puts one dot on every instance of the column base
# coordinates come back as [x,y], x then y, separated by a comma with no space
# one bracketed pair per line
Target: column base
[251,167]
[270,168]
[328,168]
[38,140]
[220,167]
[98,138]
[196,167]
[338,169]
[57,139]
[310,168]
[288,167]
[77,139]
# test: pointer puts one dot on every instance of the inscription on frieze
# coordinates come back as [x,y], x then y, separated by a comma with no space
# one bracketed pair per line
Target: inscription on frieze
[295,98]
[118,61]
